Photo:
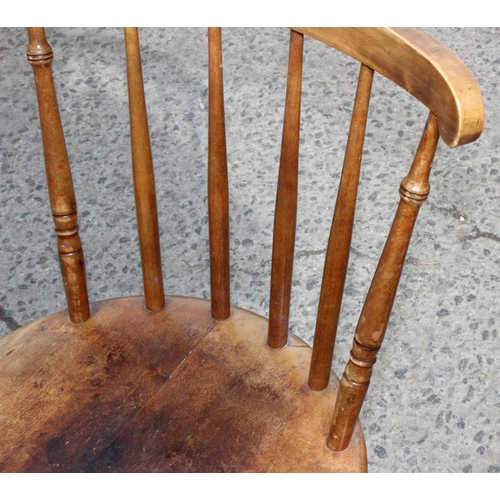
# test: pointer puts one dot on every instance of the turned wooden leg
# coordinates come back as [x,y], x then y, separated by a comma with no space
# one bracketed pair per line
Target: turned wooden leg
[374,317]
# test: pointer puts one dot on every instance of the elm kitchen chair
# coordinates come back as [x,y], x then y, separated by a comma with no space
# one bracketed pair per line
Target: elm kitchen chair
[166,383]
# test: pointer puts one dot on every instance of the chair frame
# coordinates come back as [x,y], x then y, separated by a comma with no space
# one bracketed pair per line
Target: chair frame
[416,62]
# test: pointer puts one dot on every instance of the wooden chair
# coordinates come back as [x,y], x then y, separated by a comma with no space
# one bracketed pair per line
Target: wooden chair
[167,383]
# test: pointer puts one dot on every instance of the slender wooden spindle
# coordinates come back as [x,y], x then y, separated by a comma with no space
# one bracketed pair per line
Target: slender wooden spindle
[60,184]
[339,243]
[144,180]
[285,216]
[218,190]
[374,317]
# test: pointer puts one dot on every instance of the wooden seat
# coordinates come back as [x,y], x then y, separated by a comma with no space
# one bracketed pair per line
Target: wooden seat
[162,383]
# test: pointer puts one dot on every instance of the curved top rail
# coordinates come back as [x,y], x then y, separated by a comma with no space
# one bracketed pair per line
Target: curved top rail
[423,67]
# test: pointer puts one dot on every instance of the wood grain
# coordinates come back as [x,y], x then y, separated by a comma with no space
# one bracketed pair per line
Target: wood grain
[174,390]
[285,216]
[423,67]
[59,180]
[178,384]
[144,179]
[218,187]
[377,308]
[339,243]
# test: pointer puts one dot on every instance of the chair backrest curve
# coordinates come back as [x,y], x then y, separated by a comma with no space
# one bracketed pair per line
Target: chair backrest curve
[423,67]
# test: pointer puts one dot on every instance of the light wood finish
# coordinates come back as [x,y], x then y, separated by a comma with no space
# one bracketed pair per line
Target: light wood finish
[339,244]
[144,179]
[423,67]
[182,385]
[59,180]
[217,400]
[218,189]
[374,317]
[285,217]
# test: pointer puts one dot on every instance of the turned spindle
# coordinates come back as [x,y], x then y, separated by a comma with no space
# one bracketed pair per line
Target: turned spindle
[377,308]
[144,179]
[59,180]
[339,243]
[285,217]
[218,188]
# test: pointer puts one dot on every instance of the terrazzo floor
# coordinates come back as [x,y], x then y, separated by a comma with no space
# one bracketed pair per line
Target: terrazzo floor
[434,403]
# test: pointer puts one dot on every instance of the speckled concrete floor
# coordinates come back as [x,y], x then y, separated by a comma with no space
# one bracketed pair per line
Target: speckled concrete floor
[434,403]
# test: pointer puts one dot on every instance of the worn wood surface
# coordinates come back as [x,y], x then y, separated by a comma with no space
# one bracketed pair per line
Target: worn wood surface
[285,217]
[423,67]
[218,187]
[59,180]
[186,387]
[144,179]
[173,390]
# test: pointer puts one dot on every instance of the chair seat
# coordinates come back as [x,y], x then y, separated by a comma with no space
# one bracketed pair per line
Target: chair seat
[175,390]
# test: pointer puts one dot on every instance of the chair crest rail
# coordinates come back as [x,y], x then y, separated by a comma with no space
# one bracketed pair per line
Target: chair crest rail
[420,65]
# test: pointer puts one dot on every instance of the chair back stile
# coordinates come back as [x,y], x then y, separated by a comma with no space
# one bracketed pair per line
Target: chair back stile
[59,180]
[378,304]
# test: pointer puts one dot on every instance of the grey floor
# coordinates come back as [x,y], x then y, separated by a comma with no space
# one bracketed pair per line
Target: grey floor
[434,402]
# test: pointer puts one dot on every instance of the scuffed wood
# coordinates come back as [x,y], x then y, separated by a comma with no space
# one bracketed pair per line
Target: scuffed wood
[66,390]
[175,390]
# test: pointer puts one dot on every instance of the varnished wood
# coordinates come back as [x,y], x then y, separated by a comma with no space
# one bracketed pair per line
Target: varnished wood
[144,181]
[285,217]
[374,317]
[339,244]
[216,400]
[218,189]
[423,67]
[182,385]
[59,180]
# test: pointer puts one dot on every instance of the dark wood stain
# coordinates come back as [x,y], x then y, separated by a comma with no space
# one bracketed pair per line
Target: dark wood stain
[207,403]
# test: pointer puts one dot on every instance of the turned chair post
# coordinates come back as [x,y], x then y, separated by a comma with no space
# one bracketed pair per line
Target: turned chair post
[218,185]
[377,308]
[285,217]
[59,180]
[144,180]
[339,243]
